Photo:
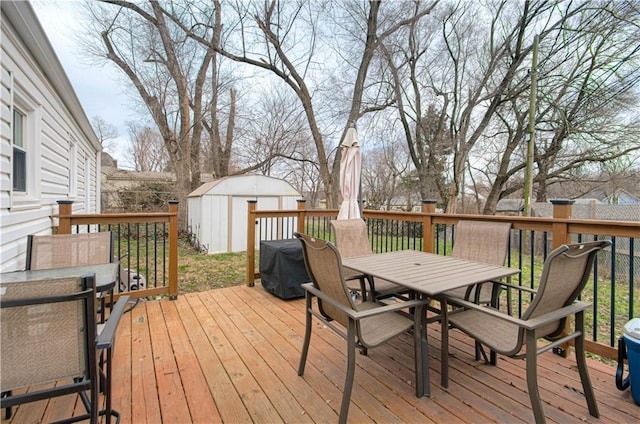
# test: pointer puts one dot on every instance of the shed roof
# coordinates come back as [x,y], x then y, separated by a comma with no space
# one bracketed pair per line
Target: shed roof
[246,185]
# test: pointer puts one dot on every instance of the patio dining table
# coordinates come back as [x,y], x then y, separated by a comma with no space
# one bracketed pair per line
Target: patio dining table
[106,278]
[428,275]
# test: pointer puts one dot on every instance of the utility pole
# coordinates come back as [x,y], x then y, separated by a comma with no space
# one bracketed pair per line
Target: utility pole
[531,130]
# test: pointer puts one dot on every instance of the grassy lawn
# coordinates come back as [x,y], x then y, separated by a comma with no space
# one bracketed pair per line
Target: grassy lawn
[200,271]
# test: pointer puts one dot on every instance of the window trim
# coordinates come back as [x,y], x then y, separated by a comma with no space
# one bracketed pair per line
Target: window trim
[32,111]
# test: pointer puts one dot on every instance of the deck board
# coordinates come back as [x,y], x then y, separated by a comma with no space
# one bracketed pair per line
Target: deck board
[231,355]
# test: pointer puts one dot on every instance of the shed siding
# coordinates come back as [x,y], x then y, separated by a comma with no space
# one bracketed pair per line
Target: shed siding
[218,209]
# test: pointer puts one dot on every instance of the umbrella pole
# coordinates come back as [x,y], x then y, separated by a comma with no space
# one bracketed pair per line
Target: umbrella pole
[360,202]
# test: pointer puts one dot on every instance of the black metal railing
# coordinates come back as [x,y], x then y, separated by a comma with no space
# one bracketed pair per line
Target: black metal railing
[141,248]
[613,289]
[144,243]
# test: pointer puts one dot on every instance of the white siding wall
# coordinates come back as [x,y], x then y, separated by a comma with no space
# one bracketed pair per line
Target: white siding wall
[194,219]
[56,141]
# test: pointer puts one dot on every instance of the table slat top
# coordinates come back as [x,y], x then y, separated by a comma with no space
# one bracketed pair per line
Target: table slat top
[426,272]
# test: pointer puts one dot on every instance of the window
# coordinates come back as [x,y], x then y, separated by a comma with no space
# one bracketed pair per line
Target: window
[19,152]
[25,154]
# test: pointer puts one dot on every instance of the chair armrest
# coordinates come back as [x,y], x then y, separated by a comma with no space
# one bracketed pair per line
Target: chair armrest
[106,336]
[552,316]
[358,315]
[532,323]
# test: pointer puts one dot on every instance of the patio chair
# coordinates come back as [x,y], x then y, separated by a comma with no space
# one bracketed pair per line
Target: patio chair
[368,324]
[566,271]
[50,335]
[66,250]
[352,240]
[481,241]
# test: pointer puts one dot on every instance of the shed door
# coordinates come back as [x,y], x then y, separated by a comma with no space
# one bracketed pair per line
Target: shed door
[238,219]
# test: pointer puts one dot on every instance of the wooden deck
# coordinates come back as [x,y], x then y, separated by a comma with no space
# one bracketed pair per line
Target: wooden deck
[230,355]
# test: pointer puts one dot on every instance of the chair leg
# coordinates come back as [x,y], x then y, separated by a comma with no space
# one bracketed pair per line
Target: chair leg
[351,370]
[587,388]
[95,408]
[491,359]
[7,411]
[532,377]
[363,287]
[307,335]
[107,389]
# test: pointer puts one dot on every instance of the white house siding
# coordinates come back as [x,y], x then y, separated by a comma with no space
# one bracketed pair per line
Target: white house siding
[63,149]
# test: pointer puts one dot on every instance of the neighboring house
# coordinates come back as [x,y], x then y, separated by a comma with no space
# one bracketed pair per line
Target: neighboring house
[623,197]
[619,197]
[119,185]
[48,150]
[510,207]
[404,203]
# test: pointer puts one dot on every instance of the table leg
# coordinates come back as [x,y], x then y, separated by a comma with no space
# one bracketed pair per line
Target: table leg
[423,387]
[444,349]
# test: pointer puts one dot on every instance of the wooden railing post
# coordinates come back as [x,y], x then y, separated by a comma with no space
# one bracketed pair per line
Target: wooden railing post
[173,249]
[561,210]
[251,242]
[428,227]
[65,209]
[302,215]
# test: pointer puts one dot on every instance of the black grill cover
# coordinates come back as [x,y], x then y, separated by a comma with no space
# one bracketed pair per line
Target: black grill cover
[282,269]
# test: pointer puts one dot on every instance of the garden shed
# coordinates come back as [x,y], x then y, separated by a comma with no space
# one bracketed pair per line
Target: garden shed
[218,209]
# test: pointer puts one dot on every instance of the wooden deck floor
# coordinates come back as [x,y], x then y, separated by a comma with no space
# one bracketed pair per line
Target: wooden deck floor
[230,355]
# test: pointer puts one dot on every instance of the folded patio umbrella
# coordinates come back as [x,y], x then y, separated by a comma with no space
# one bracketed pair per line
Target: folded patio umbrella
[350,168]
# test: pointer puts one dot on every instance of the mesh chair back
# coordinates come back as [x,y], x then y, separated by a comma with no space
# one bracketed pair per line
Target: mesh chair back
[351,237]
[64,250]
[324,266]
[473,239]
[565,273]
[48,327]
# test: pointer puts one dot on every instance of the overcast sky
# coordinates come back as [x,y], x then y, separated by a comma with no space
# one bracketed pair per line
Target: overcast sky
[97,88]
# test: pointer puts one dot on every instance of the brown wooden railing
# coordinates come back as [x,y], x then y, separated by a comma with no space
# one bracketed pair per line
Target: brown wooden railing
[146,244]
[532,238]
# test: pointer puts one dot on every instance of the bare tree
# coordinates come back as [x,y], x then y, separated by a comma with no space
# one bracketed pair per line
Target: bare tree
[375,38]
[461,91]
[177,79]
[147,148]
[383,171]
[107,133]
[588,74]
[424,126]
[455,72]
[281,38]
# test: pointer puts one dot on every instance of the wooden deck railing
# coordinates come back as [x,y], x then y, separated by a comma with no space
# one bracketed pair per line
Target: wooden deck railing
[613,290]
[146,243]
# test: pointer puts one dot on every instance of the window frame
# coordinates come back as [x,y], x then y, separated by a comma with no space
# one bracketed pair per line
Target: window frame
[30,198]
